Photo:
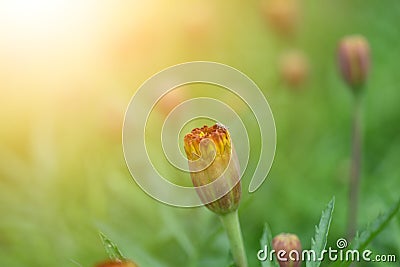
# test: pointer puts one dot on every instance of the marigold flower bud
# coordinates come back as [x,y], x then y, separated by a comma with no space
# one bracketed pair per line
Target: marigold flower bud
[212,156]
[354,60]
[287,250]
[117,264]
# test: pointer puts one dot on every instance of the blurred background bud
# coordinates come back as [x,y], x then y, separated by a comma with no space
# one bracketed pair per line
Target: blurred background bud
[289,243]
[213,145]
[199,21]
[117,264]
[171,100]
[281,15]
[294,68]
[354,60]
[111,116]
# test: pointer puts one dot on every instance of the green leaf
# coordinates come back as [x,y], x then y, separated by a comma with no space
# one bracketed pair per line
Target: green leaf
[361,241]
[266,240]
[75,262]
[112,250]
[318,243]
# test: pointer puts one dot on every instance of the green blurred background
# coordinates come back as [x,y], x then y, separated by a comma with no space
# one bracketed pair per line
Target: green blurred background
[69,68]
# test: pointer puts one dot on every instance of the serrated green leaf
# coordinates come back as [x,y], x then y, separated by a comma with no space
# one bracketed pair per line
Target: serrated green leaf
[318,243]
[361,241]
[111,248]
[266,239]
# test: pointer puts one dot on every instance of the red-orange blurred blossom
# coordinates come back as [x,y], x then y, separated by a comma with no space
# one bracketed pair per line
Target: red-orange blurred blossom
[171,100]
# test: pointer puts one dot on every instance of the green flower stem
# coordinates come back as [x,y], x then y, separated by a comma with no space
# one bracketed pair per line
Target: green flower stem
[355,169]
[232,227]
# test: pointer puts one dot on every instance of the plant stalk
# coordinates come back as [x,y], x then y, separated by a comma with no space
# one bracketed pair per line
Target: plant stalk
[232,227]
[355,169]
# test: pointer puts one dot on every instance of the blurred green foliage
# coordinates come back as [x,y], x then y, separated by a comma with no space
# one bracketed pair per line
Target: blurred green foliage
[63,176]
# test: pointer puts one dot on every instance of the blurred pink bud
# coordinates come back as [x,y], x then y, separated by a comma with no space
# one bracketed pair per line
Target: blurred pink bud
[354,60]
[294,68]
[282,15]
